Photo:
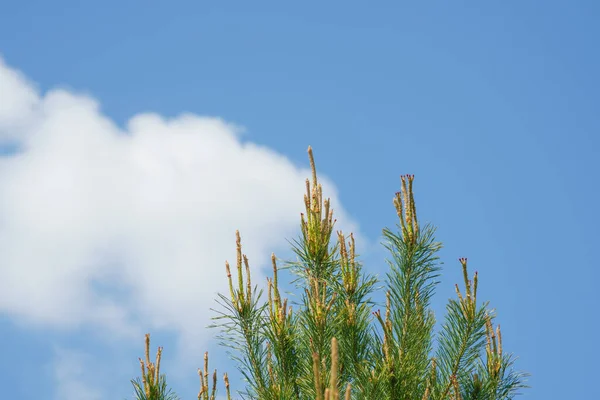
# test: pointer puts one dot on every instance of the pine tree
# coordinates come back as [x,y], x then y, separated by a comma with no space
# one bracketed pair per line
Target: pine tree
[332,341]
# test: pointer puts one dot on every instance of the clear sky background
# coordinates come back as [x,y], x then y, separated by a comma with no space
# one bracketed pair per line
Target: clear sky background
[137,136]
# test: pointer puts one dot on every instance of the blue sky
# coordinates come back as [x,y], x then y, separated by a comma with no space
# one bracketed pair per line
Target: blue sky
[494,108]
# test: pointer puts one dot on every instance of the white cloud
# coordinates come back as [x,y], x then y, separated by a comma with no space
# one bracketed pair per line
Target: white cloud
[128,230]
[71,376]
[18,98]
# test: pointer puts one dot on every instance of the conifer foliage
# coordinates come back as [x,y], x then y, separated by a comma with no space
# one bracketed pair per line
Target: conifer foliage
[334,342]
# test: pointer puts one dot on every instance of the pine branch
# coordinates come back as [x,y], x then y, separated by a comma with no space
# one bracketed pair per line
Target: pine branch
[334,343]
[152,385]
[411,282]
